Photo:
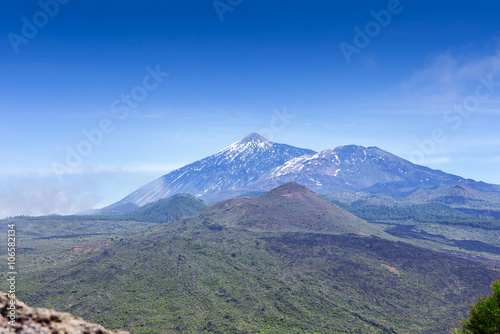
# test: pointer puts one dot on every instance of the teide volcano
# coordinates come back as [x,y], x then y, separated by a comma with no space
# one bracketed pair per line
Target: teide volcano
[255,164]
[232,170]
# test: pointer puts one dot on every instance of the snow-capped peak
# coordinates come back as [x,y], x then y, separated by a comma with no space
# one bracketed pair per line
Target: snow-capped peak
[255,163]
[252,142]
[255,137]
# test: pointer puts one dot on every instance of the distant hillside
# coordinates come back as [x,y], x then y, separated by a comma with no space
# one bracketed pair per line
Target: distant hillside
[168,209]
[458,196]
[429,213]
[48,227]
[116,210]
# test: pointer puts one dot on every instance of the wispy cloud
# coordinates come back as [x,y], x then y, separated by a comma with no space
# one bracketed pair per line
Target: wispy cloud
[494,160]
[474,144]
[447,160]
[439,160]
[100,169]
[90,169]
[38,191]
[448,78]
[35,192]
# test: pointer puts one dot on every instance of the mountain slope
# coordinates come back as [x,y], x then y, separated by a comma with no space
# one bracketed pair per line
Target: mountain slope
[235,167]
[240,267]
[355,168]
[288,208]
[244,282]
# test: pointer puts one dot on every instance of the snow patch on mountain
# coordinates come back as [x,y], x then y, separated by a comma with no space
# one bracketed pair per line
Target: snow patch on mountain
[255,164]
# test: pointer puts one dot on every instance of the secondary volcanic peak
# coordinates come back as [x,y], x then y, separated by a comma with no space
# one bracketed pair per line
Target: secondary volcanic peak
[290,207]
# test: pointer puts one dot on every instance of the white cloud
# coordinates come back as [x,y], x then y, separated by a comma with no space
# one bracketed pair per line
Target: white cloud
[457,160]
[438,160]
[89,169]
[35,192]
[448,78]
[32,197]
[473,144]
[100,169]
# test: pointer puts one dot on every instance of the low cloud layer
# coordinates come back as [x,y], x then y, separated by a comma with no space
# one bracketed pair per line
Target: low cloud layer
[29,196]
[40,192]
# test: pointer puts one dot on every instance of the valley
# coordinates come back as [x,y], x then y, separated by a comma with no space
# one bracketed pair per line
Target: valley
[240,282]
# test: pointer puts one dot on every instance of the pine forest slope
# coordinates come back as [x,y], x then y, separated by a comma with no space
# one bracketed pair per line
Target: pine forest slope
[231,281]
[220,272]
[168,209]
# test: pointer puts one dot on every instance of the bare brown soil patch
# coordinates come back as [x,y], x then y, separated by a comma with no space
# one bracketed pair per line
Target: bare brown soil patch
[391,269]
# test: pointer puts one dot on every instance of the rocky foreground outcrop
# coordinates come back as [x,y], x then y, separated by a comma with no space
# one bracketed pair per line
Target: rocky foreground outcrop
[30,320]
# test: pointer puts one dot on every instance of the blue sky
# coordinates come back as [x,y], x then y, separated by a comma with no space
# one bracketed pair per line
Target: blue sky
[422,83]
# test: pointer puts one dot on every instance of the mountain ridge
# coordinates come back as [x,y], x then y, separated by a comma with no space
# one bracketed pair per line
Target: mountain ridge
[255,164]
